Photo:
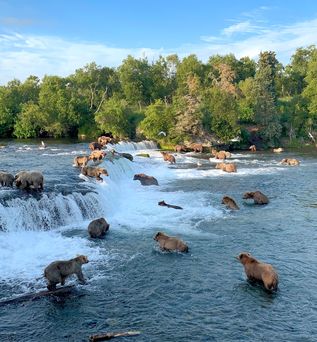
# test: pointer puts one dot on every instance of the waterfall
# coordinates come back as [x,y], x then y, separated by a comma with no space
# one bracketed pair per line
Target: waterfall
[55,210]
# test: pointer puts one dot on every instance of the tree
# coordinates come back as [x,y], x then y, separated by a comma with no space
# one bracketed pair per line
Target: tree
[135,79]
[57,105]
[224,114]
[158,118]
[113,117]
[266,115]
[188,110]
[30,121]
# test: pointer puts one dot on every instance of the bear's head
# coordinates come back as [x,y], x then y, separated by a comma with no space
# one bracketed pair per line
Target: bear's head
[102,171]
[248,195]
[158,236]
[245,258]
[82,259]
[162,203]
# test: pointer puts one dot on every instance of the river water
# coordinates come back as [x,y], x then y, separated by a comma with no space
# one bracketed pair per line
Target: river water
[132,285]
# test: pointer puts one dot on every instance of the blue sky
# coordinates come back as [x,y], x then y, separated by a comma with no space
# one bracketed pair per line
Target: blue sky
[57,37]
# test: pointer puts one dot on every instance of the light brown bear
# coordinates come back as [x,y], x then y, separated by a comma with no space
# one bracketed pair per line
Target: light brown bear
[103,140]
[257,196]
[227,167]
[168,157]
[230,203]
[196,147]
[278,150]
[81,161]
[145,179]
[252,148]
[170,243]
[29,180]
[57,271]
[90,171]
[291,162]
[97,155]
[180,148]
[6,179]
[258,271]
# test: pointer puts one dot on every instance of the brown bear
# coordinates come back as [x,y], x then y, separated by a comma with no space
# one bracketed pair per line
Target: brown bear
[95,146]
[97,155]
[257,196]
[180,148]
[291,162]
[90,171]
[103,140]
[168,157]
[145,179]
[196,147]
[170,243]
[81,161]
[278,150]
[227,167]
[230,203]
[6,179]
[98,228]
[29,180]
[163,204]
[258,271]
[252,148]
[57,271]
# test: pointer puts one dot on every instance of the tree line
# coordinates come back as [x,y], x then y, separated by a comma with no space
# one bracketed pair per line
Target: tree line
[171,99]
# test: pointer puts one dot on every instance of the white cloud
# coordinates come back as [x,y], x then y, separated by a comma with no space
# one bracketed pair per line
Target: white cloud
[242,27]
[22,55]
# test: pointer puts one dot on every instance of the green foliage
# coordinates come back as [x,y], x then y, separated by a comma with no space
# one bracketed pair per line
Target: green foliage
[113,117]
[158,118]
[185,98]
[29,122]
[224,114]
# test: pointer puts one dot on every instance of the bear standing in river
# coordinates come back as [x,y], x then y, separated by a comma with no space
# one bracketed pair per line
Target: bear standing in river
[57,271]
[259,271]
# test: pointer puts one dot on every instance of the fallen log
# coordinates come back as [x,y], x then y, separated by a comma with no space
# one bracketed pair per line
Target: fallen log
[110,335]
[32,296]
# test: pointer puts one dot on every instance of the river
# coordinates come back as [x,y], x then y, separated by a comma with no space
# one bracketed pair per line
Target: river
[131,285]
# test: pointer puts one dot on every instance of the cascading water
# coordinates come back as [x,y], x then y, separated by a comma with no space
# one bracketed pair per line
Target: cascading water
[56,210]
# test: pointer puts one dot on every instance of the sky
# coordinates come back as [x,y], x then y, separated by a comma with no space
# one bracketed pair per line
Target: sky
[59,36]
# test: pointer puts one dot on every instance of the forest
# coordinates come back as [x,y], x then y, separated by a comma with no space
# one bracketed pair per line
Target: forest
[172,100]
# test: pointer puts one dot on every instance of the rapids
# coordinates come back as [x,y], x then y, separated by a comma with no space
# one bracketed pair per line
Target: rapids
[132,285]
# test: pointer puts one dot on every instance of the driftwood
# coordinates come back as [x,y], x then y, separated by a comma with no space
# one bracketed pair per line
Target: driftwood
[110,335]
[34,296]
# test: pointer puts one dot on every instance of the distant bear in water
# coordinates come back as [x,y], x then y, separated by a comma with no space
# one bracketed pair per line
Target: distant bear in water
[98,228]
[227,167]
[196,147]
[95,146]
[81,161]
[252,148]
[145,179]
[168,157]
[94,172]
[230,203]
[163,204]
[259,271]
[257,196]
[170,243]
[6,179]
[278,150]
[57,271]
[29,180]
[291,162]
